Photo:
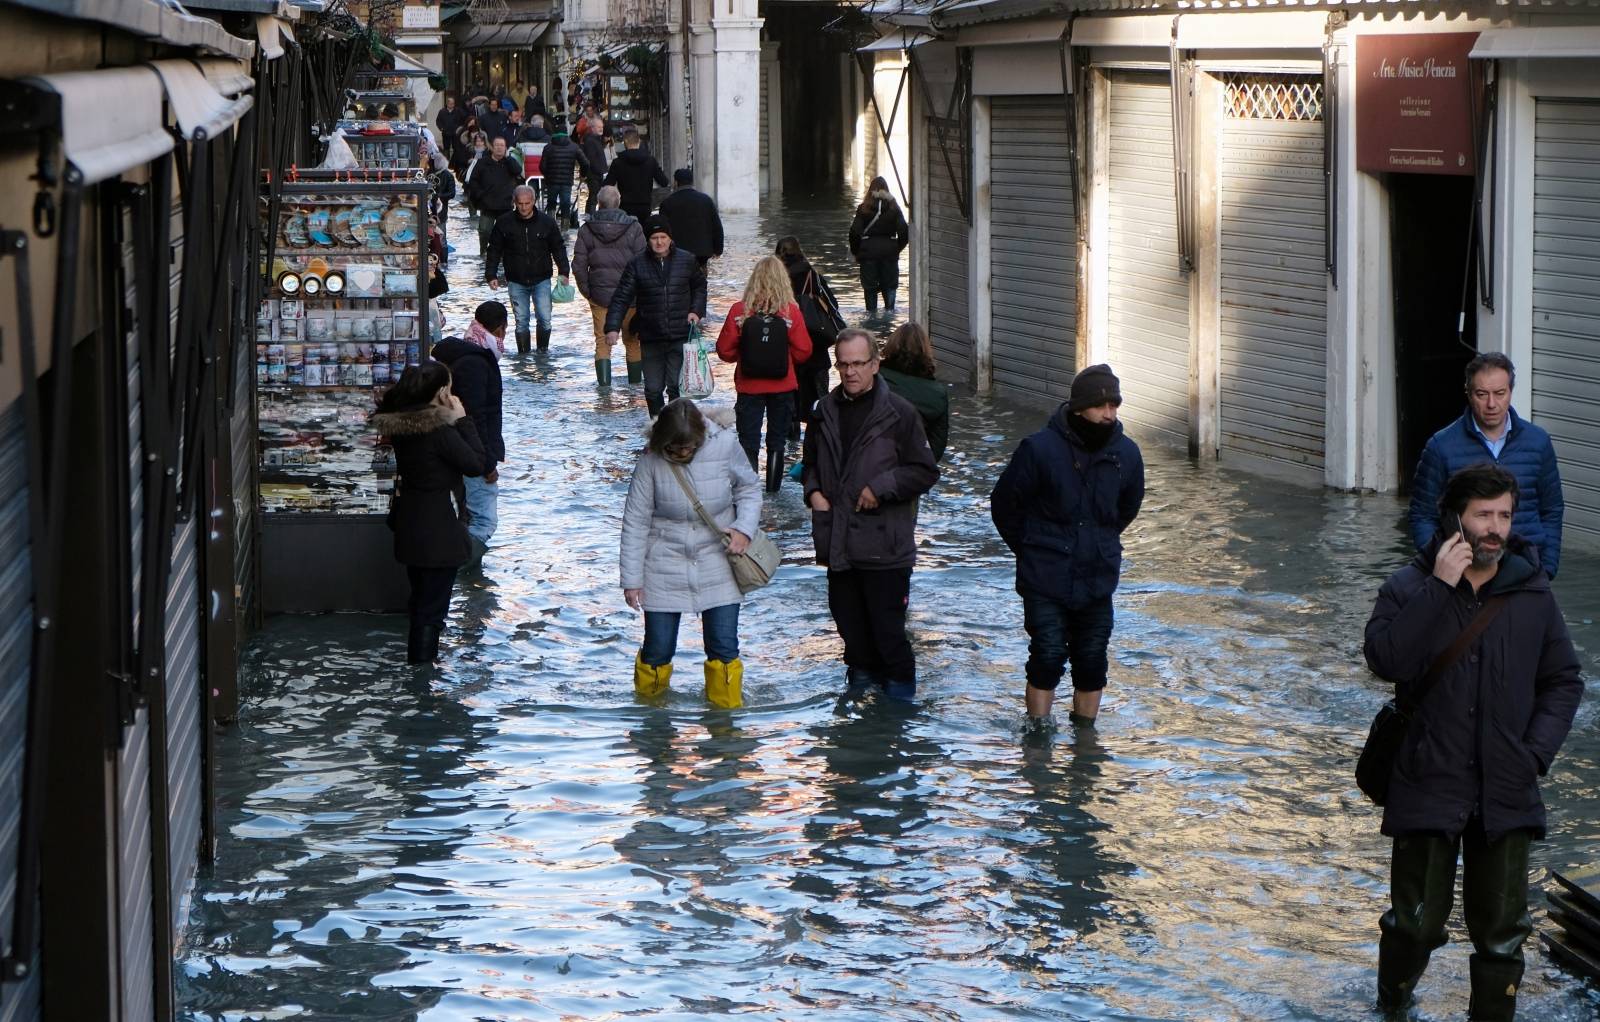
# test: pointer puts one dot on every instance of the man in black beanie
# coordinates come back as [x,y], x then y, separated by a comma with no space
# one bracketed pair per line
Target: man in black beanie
[1061,506]
[667,290]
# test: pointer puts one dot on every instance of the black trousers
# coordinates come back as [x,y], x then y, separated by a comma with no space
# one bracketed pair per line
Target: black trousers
[880,276]
[662,362]
[593,196]
[1494,901]
[869,610]
[430,595]
[749,410]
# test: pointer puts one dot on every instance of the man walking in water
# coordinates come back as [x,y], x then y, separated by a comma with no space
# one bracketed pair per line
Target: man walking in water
[1061,506]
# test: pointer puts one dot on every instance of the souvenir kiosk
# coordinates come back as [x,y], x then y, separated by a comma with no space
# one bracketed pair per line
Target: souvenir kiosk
[344,311]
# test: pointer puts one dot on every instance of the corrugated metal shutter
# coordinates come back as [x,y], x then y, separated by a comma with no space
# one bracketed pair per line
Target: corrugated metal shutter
[17,1000]
[184,714]
[135,923]
[1034,248]
[1148,323]
[1274,345]
[949,323]
[766,144]
[245,504]
[1566,301]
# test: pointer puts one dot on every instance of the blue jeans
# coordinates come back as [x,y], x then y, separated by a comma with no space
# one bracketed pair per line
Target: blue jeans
[1057,632]
[558,202]
[482,501]
[719,626]
[521,294]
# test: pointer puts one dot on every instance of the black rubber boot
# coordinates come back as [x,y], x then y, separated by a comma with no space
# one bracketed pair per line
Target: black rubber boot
[544,338]
[774,470]
[602,372]
[422,645]
[1494,990]
[636,373]
[523,341]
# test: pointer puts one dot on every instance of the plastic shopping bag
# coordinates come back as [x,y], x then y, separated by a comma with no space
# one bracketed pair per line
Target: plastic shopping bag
[696,381]
[562,293]
[339,157]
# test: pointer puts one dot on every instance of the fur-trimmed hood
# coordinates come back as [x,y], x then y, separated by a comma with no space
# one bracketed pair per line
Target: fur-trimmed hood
[412,421]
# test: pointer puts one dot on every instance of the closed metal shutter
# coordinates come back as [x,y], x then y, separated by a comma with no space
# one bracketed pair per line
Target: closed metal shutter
[17,1000]
[1034,249]
[245,509]
[135,923]
[1148,322]
[1566,301]
[765,147]
[184,717]
[949,325]
[1274,345]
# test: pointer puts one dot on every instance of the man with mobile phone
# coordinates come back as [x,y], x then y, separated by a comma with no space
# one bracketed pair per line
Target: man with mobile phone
[1471,633]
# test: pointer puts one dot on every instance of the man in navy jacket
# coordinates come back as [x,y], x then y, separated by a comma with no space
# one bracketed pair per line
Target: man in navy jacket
[1491,431]
[1061,506]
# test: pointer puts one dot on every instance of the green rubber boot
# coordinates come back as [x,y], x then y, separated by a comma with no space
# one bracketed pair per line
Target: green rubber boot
[602,372]
[635,373]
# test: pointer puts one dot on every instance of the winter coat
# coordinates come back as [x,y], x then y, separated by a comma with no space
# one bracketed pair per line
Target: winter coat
[890,453]
[429,513]
[801,276]
[451,122]
[1528,454]
[1491,725]
[696,225]
[607,242]
[532,105]
[799,351]
[491,182]
[880,231]
[533,133]
[593,145]
[526,249]
[663,291]
[561,154]
[494,124]
[1062,509]
[475,379]
[930,398]
[633,172]
[666,549]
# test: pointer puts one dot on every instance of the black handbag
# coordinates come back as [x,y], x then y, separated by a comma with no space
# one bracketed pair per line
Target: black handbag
[1375,767]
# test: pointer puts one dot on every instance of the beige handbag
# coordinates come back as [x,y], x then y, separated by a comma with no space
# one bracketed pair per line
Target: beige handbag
[752,569]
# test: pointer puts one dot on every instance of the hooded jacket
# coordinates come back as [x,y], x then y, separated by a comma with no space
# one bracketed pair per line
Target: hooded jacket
[889,453]
[561,154]
[880,231]
[663,291]
[521,251]
[607,242]
[666,549]
[475,379]
[633,171]
[1492,724]
[1528,454]
[429,512]
[1062,509]
[696,225]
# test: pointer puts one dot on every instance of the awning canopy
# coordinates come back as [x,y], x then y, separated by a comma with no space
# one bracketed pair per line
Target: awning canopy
[896,39]
[201,110]
[1545,41]
[110,120]
[229,77]
[152,20]
[273,34]
[508,36]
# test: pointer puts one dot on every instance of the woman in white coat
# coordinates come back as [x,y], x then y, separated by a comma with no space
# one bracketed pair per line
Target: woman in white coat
[673,562]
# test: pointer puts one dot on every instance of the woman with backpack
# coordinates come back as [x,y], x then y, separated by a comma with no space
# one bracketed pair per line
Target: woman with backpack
[878,235]
[820,310]
[765,336]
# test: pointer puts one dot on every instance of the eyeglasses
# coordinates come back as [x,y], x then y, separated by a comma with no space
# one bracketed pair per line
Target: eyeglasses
[845,367]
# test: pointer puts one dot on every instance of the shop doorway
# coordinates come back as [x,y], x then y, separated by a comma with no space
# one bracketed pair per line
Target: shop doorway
[1430,217]
[811,46]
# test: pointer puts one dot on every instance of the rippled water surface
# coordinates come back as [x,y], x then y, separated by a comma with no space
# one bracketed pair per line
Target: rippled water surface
[512,837]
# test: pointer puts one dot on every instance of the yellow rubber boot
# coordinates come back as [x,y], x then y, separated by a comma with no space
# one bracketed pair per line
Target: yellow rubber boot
[649,681]
[725,683]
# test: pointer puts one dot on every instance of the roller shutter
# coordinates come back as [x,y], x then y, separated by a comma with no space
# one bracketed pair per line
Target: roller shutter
[1566,302]
[243,427]
[949,322]
[1033,268]
[135,923]
[765,146]
[1148,299]
[17,1000]
[1274,343]
[185,719]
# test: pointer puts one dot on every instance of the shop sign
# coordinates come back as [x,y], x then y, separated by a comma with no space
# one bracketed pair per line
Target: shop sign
[426,16]
[1414,103]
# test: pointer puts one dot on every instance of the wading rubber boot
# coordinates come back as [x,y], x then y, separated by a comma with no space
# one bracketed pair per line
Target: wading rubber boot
[422,645]
[900,691]
[544,338]
[725,683]
[858,684]
[1079,720]
[774,470]
[1494,990]
[602,372]
[635,373]
[524,339]
[650,681]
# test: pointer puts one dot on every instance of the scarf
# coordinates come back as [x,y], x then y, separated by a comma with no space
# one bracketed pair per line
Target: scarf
[476,334]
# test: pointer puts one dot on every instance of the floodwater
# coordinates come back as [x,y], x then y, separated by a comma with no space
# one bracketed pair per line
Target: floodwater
[512,837]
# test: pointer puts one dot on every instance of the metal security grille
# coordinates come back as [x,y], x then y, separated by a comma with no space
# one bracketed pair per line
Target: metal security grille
[1034,250]
[1274,342]
[949,325]
[1270,97]
[185,716]
[1148,300]
[1566,301]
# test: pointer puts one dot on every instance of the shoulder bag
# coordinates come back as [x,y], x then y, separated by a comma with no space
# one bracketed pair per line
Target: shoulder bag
[1388,731]
[752,569]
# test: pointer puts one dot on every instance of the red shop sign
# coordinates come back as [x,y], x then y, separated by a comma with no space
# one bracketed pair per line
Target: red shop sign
[1414,103]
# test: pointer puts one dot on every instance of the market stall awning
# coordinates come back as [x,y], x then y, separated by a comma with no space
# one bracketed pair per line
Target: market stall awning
[147,18]
[896,39]
[110,120]
[511,35]
[1544,41]
[201,110]
[273,34]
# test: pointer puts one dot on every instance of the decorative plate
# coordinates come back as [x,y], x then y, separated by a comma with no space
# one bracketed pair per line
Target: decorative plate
[400,225]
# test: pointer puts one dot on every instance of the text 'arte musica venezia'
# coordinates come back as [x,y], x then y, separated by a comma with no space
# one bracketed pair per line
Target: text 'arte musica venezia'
[1408,68]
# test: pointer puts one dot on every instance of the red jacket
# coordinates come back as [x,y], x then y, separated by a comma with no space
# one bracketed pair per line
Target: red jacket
[799,350]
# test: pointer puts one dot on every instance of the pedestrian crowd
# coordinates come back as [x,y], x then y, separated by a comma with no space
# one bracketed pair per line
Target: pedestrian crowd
[1469,632]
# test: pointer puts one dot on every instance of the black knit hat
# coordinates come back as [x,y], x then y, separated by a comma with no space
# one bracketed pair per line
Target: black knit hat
[657,224]
[1094,386]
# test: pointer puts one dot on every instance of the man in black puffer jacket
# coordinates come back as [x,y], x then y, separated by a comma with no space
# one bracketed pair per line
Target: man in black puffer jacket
[1466,779]
[669,290]
[561,155]
[522,246]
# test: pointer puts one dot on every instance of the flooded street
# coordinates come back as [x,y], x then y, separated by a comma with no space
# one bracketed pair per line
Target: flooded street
[513,837]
